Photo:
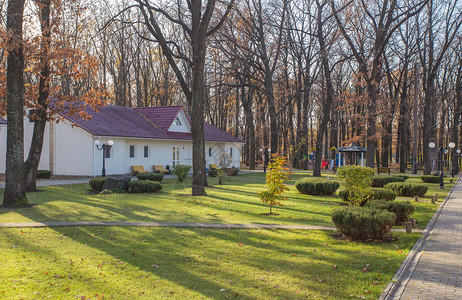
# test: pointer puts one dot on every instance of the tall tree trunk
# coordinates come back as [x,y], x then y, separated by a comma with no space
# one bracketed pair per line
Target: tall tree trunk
[403,123]
[35,151]
[15,188]
[327,103]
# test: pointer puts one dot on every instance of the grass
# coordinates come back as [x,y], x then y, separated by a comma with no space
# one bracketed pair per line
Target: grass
[157,263]
[234,202]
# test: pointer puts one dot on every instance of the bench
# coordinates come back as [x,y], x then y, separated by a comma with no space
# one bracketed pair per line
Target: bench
[214,167]
[138,169]
[383,170]
[160,169]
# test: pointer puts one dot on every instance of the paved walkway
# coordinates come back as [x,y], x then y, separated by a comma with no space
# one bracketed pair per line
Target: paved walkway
[433,269]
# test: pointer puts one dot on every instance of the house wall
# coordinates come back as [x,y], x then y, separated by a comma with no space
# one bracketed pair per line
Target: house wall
[72,150]
[28,130]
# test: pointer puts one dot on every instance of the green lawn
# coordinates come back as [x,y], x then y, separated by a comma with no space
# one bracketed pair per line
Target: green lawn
[234,202]
[157,263]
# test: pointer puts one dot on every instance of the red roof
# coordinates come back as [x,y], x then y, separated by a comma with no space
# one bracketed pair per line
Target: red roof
[161,115]
[149,122]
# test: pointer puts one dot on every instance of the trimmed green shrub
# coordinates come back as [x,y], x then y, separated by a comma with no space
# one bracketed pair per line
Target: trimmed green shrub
[213,173]
[405,177]
[43,174]
[97,183]
[358,182]
[384,194]
[402,209]
[362,223]
[407,189]
[381,180]
[376,194]
[430,179]
[310,186]
[150,176]
[144,186]
[181,172]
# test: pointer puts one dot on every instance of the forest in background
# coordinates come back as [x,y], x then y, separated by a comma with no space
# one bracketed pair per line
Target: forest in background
[283,75]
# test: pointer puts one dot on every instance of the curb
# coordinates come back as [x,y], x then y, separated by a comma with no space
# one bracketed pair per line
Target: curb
[395,288]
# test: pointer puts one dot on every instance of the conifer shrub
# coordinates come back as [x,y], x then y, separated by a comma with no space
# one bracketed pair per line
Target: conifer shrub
[43,174]
[144,186]
[150,176]
[310,186]
[381,180]
[181,172]
[430,179]
[407,189]
[97,183]
[358,182]
[402,209]
[363,223]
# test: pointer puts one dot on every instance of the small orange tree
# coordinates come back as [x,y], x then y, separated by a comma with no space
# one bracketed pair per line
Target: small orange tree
[275,177]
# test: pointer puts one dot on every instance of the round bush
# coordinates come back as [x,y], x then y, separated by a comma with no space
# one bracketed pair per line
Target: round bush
[150,176]
[43,174]
[381,180]
[97,183]
[213,173]
[144,186]
[407,189]
[402,210]
[430,179]
[384,194]
[362,223]
[181,172]
[310,186]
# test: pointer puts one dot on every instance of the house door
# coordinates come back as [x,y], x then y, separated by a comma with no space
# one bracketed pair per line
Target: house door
[176,156]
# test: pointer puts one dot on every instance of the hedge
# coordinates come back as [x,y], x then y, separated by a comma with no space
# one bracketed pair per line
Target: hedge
[377,193]
[401,209]
[430,179]
[380,181]
[144,186]
[150,176]
[363,223]
[310,186]
[43,174]
[407,189]
[405,177]
[97,183]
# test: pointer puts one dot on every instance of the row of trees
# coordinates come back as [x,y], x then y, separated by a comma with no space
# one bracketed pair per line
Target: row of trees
[283,75]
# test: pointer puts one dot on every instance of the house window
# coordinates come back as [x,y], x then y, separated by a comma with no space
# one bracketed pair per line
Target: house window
[210,151]
[132,151]
[231,151]
[146,151]
[107,151]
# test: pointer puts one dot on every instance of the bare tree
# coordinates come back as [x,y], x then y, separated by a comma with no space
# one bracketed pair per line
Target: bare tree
[15,189]
[194,18]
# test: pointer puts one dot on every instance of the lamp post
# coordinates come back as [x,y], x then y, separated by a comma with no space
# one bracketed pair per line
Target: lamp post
[441,151]
[105,148]
[452,146]
[457,161]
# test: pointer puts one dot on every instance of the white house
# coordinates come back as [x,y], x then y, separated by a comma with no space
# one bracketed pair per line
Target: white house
[142,136]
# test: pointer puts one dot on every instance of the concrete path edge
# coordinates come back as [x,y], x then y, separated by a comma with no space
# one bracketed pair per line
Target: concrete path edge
[399,282]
